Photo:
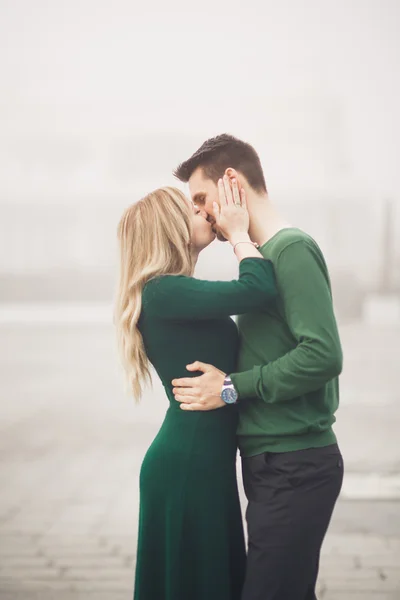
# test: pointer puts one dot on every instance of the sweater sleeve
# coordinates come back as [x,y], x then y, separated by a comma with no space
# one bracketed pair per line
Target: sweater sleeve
[181,297]
[304,287]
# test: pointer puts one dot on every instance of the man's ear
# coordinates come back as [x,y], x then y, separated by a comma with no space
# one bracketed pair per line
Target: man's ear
[233,174]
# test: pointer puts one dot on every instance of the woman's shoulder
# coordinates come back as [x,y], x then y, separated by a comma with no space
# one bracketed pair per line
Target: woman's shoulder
[167,296]
[161,282]
[163,285]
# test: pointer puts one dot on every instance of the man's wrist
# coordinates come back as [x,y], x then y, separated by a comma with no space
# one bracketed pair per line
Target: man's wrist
[229,393]
[244,384]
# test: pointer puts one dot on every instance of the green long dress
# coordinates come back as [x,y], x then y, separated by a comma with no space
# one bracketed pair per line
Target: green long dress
[190,539]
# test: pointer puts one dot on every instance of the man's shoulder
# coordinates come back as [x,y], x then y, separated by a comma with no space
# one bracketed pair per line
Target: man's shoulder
[285,238]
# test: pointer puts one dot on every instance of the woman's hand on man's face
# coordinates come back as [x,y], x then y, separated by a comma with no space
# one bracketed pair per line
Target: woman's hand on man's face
[231,216]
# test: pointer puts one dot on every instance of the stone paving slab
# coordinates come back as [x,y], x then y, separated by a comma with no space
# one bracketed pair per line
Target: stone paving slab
[125,595]
[71,447]
[65,594]
[360,596]
[367,564]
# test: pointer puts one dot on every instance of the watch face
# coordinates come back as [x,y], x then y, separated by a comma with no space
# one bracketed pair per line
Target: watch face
[229,395]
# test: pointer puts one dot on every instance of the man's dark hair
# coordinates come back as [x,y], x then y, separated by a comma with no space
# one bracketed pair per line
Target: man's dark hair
[218,154]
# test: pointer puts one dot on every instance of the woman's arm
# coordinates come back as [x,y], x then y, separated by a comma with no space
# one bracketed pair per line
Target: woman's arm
[180,297]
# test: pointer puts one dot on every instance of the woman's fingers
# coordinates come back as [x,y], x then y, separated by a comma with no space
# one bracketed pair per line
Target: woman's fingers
[235,191]
[230,197]
[243,199]
[221,193]
[228,190]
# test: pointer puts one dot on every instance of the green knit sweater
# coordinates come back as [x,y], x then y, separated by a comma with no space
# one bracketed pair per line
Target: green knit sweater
[290,354]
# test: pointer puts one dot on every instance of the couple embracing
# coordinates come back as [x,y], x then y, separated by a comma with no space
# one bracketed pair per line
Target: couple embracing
[268,385]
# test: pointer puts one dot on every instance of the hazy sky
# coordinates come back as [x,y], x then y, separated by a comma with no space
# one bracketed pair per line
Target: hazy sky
[309,83]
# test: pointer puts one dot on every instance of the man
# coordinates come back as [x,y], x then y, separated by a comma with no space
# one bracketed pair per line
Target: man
[286,386]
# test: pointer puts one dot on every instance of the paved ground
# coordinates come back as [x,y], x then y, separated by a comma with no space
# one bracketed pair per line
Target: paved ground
[71,446]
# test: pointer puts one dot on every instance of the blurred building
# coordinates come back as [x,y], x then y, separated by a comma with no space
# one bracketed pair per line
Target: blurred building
[62,194]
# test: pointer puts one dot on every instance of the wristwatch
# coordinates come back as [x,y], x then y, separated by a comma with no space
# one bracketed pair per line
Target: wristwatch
[229,394]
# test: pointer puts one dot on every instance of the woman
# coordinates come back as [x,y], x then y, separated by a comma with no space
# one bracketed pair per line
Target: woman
[191,542]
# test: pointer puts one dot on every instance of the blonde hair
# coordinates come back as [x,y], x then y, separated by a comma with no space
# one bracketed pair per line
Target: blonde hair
[154,239]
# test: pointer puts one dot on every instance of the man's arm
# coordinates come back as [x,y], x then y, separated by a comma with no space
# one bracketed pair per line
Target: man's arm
[317,356]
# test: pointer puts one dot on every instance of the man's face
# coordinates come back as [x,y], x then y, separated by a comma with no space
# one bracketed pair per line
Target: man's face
[204,192]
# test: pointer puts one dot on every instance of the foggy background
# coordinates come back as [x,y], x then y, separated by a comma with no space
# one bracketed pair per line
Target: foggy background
[99,102]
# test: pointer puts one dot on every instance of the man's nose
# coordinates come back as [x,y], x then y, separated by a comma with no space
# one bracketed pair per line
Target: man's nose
[203,213]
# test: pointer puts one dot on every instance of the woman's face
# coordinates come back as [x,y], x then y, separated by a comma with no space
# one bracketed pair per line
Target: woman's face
[202,233]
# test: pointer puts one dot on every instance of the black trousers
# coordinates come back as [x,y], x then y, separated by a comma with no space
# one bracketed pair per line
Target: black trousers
[291,498]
